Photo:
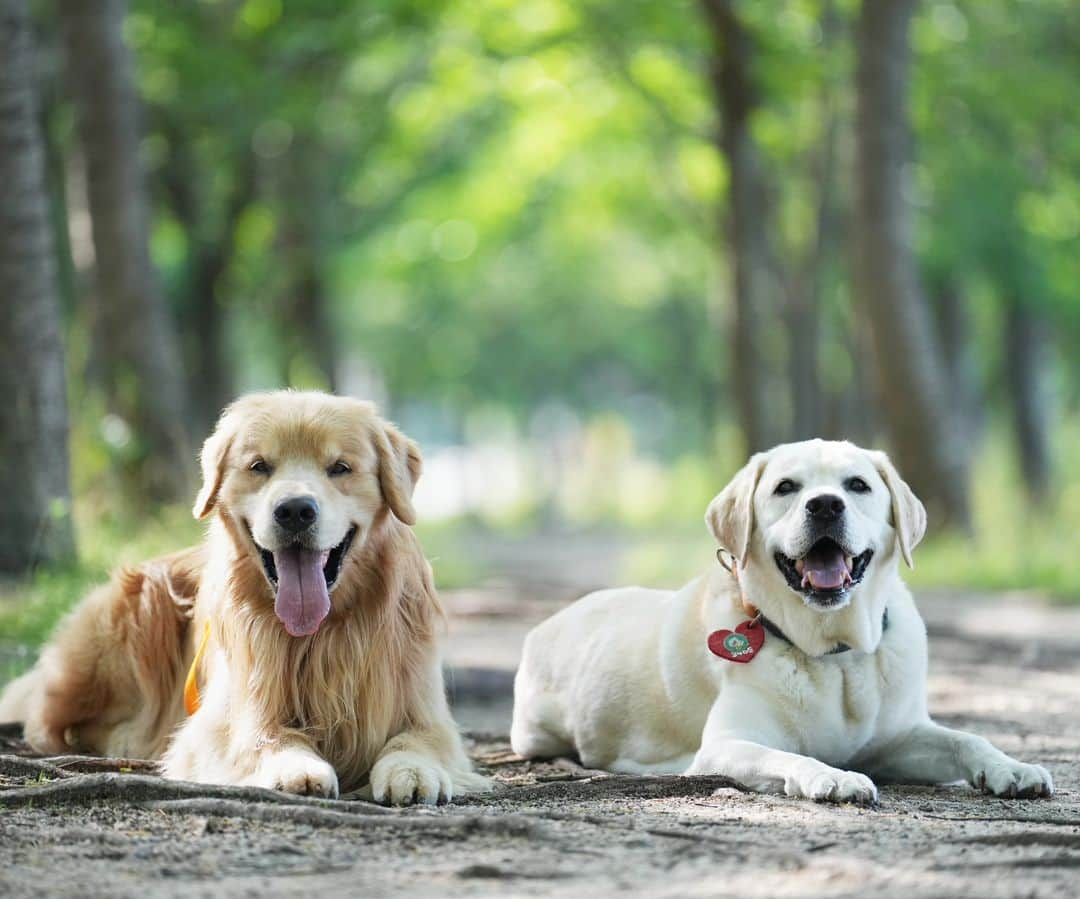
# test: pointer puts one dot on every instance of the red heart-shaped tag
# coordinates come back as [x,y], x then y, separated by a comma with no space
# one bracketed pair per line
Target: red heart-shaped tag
[739,645]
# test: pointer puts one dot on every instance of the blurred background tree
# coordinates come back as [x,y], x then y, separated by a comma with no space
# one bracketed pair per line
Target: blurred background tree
[141,378]
[588,253]
[911,374]
[34,427]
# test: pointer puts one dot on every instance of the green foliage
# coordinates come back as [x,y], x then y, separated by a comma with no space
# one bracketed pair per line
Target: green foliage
[1017,545]
[509,202]
[996,180]
[514,206]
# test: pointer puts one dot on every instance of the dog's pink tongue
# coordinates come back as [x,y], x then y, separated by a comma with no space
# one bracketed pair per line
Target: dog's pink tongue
[302,599]
[825,569]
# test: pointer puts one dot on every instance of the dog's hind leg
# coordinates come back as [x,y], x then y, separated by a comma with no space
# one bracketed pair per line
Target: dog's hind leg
[107,683]
[531,732]
[538,729]
[17,696]
[69,689]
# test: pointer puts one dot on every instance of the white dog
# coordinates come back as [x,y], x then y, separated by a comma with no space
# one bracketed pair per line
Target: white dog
[821,687]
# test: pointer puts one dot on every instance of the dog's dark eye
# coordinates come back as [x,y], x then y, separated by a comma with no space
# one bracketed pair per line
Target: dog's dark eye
[259,466]
[857,485]
[338,468]
[785,487]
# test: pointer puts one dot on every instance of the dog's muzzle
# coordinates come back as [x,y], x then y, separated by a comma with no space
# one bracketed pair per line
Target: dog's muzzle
[302,579]
[827,571]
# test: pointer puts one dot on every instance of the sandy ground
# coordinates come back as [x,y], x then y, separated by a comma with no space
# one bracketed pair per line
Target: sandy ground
[1005,667]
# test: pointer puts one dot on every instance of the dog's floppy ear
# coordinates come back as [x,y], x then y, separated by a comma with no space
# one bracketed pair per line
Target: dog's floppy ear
[212,458]
[730,515]
[399,469]
[908,512]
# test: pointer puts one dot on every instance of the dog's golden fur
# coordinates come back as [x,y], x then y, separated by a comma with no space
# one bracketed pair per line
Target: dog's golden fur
[360,698]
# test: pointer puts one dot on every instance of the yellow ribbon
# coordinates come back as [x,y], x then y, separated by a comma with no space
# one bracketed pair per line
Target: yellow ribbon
[191,685]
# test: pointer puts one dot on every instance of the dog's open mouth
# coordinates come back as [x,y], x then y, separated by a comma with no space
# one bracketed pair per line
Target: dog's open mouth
[331,561]
[826,573]
[302,579]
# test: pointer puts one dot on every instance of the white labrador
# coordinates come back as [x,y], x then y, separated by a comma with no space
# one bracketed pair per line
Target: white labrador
[626,679]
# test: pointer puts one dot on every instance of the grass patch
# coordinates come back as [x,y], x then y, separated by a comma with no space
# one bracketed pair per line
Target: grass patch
[1016,545]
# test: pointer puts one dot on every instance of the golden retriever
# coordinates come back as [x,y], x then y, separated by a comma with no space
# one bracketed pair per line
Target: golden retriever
[305,624]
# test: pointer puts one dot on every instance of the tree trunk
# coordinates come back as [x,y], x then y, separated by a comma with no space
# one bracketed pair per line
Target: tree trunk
[309,341]
[954,330]
[309,312]
[753,293]
[211,237]
[803,380]
[56,184]
[145,379]
[803,312]
[914,387]
[211,377]
[1026,351]
[34,480]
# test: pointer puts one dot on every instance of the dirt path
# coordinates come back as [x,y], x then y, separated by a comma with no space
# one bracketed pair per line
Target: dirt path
[1001,667]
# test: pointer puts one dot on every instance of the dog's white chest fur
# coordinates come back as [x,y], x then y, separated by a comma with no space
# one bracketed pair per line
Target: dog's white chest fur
[835,703]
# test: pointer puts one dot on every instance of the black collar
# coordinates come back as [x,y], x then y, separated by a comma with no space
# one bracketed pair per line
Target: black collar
[838,648]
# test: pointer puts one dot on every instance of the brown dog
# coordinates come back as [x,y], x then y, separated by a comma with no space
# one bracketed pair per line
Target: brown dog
[305,624]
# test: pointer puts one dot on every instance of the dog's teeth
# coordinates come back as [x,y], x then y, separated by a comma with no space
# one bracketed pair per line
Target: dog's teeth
[806,581]
[848,561]
[799,565]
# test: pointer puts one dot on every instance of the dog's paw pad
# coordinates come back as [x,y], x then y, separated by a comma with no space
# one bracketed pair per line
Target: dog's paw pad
[405,778]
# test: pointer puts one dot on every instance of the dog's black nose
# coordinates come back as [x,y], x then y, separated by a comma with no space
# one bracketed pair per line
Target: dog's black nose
[825,507]
[297,513]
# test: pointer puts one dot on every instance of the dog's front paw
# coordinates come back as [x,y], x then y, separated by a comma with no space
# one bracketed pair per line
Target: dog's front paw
[402,778]
[825,784]
[298,771]
[1013,779]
